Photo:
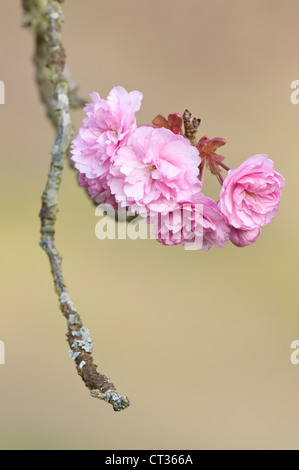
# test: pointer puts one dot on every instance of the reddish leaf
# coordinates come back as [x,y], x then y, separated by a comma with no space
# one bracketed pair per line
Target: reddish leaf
[160,121]
[174,122]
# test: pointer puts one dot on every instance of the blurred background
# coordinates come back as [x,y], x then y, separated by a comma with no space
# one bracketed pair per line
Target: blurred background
[200,342]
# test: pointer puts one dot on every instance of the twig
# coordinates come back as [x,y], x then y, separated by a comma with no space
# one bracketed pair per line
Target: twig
[45,18]
[33,9]
[75,100]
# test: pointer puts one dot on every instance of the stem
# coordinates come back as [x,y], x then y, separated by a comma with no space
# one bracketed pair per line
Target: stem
[220,177]
[225,167]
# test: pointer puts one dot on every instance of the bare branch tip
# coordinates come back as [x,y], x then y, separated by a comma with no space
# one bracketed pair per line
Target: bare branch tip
[119,402]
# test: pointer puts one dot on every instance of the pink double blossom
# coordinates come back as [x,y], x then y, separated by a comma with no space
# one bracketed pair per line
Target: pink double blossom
[199,223]
[243,238]
[155,171]
[250,194]
[98,190]
[107,126]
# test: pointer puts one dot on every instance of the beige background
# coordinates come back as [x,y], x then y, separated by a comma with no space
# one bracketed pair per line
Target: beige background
[200,342]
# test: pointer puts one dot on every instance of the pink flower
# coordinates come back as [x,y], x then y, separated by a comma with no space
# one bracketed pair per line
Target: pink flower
[198,223]
[243,237]
[94,185]
[107,126]
[154,171]
[101,193]
[250,194]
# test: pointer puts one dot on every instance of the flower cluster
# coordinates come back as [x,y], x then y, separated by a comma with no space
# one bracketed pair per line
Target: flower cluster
[155,171]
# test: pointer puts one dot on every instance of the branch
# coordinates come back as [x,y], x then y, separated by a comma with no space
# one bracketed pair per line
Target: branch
[33,9]
[45,18]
